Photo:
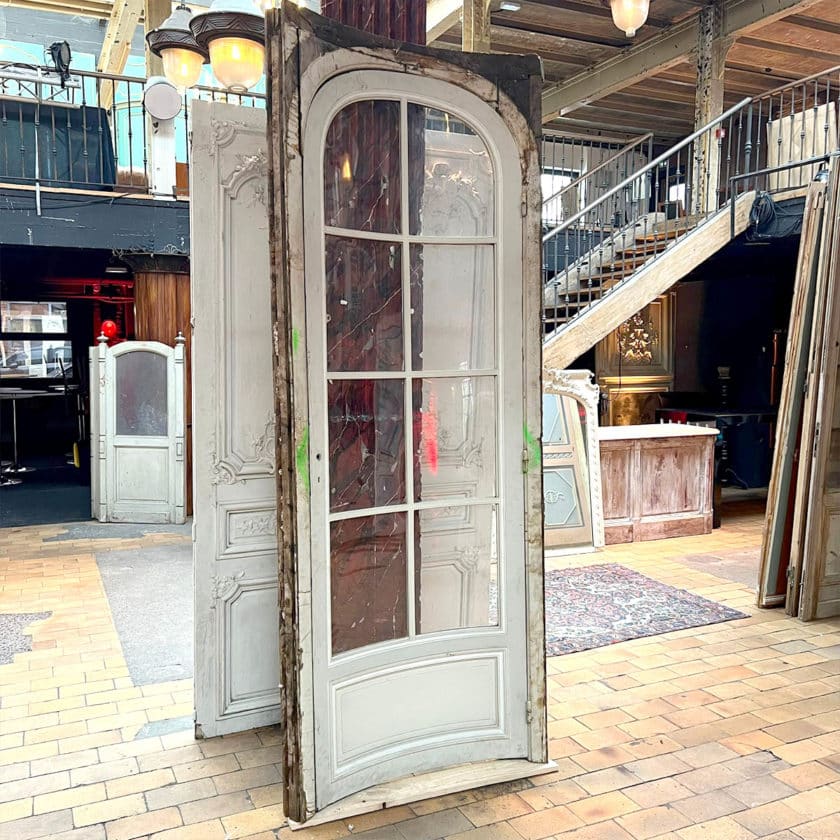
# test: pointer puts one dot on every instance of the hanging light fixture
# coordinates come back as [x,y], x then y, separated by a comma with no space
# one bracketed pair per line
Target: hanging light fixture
[629,15]
[233,32]
[181,55]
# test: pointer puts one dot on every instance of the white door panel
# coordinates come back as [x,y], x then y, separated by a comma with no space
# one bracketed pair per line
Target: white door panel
[235,539]
[416,416]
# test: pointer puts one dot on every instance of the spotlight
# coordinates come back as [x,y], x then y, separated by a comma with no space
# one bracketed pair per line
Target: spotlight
[61,57]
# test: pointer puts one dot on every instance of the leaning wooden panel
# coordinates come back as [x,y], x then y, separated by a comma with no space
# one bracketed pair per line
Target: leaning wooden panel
[335,209]
[775,545]
[821,546]
[819,353]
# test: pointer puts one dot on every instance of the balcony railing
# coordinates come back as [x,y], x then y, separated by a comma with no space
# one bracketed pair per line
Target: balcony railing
[91,132]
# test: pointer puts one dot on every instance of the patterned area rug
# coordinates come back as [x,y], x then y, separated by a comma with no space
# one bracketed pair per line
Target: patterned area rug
[593,606]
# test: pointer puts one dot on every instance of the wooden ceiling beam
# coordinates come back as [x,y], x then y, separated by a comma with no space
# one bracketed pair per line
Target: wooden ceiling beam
[830,26]
[99,9]
[594,10]
[595,122]
[786,49]
[662,51]
[441,16]
[125,17]
[509,21]
[547,46]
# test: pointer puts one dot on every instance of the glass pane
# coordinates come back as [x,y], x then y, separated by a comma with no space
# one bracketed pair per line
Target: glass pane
[368,581]
[36,359]
[458,562]
[453,307]
[366,442]
[456,197]
[562,503]
[141,394]
[20,316]
[364,305]
[554,420]
[455,437]
[362,167]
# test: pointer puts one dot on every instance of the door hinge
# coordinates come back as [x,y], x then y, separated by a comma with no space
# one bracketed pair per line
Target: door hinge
[529,715]
[526,460]
[524,209]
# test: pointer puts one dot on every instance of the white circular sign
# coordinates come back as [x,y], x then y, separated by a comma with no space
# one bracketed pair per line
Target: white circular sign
[161,98]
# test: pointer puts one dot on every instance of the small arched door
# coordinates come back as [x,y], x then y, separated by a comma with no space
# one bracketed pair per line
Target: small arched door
[137,424]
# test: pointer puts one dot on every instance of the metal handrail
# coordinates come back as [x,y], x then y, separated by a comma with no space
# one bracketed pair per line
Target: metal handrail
[648,167]
[797,83]
[604,163]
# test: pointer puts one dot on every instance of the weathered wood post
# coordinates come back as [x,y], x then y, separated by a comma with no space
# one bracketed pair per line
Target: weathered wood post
[712,48]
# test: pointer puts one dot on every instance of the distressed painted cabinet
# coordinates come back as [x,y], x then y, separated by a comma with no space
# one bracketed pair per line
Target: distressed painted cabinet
[657,481]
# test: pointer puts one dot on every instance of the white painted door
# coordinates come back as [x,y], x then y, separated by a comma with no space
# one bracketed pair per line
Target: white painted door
[235,540]
[414,324]
[568,515]
[140,414]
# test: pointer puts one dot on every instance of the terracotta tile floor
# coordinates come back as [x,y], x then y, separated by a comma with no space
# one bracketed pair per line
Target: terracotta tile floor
[726,732]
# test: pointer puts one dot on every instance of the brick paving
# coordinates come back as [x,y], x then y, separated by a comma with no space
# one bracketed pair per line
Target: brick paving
[725,732]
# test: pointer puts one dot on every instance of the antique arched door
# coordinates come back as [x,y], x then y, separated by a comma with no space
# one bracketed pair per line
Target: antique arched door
[421,636]
[137,429]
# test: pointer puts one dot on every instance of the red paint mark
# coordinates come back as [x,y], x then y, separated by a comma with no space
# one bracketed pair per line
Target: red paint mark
[430,433]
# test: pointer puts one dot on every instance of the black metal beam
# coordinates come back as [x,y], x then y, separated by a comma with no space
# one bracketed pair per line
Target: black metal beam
[106,221]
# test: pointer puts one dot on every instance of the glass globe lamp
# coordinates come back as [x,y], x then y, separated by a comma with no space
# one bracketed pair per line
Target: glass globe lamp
[180,53]
[629,15]
[233,33]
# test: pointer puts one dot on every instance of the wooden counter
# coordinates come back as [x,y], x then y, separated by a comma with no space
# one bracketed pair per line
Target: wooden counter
[656,481]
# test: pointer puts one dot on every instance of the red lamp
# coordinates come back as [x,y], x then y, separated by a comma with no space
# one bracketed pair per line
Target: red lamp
[109,329]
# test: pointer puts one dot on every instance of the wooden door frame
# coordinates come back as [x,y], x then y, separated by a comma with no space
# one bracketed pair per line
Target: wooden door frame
[304,52]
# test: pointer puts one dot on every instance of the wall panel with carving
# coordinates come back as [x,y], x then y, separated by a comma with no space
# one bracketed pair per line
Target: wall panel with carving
[635,364]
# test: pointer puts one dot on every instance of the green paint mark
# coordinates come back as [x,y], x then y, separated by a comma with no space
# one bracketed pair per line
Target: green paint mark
[295,340]
[302,459]
[534,450]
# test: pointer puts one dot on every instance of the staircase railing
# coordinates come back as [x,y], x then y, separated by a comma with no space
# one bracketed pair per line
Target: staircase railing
[619,162]
[597,248]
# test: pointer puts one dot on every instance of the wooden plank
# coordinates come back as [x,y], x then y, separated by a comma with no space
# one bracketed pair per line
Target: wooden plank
[644,286]
[777,526]
[816,359]
[100,9]
[441,16]
[818,504]
[116,46]
[436,783]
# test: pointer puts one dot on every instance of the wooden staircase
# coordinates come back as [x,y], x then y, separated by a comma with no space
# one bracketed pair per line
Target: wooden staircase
[609,259]
[562,307]
[636,275]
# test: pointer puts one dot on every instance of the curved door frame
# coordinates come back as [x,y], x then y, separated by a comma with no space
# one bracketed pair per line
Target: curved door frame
[306,54]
